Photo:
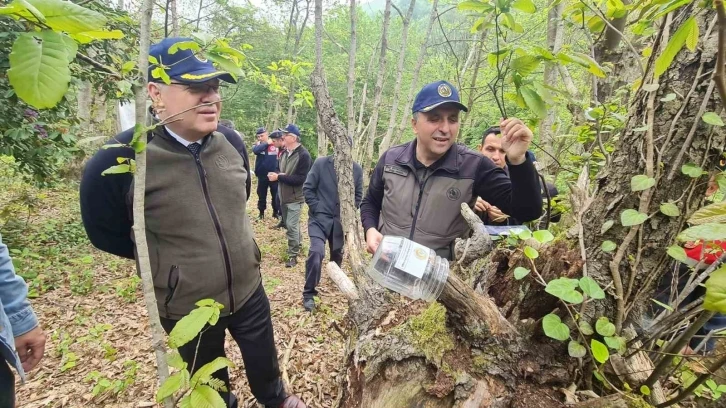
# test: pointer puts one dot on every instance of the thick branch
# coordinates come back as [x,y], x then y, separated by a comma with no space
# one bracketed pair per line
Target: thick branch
[720,76]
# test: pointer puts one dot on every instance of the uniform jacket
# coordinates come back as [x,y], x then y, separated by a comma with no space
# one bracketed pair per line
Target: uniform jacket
[295,164]
[266,158]
[424,204]
[321,196]
[16,315]
[199,236]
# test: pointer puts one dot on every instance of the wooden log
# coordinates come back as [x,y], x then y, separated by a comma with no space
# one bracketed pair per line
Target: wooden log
[342,281]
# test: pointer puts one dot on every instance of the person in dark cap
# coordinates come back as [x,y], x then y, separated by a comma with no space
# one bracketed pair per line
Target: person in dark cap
[266,153]
[200,239]
[276,140]
[417,188]
[294,167]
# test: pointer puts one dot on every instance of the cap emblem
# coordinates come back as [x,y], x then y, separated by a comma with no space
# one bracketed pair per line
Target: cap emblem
[444,91]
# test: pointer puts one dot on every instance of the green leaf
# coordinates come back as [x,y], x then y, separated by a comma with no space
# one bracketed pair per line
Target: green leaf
[691,170]
[533,101]
[644,390]
[209,302]
[160,73]
[712,119]
[204,396]
[585,328]
[715,299]
[90,36]
[706,232]
[661,304]
[39,67]
[668,98]
[205,372]
[641,182]
[520,272]
[118,169]
[606,226]
[225,64]
[616,343]
[543,236]
[692,39]
[525,6]
[583,60]
[525,65]
[676,42]
[189,326]
[591,288]
[19,6]
[630,217]
[677,253]
[576,349]
[139,146]
[564,288]
[184,45]
[176,382]
[477,6]
[530,252]
[604,327]
[554,328]
[608,246]
[650,87]
[525,234]
[67,16]
[712,213]
[670,209]
[599,351]
[174,360]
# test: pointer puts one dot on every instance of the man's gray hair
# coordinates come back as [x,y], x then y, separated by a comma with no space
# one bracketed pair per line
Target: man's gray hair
[227,123]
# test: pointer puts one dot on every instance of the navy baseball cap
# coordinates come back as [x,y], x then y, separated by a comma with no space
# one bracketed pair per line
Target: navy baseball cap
[260,131]
[436,94]
[184,65]
[290,128]
[276,134]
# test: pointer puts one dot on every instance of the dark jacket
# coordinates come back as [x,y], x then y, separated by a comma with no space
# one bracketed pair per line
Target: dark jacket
[423,203]
[199,236]
[321,196]
[550,214]
[266,160]
[295,164]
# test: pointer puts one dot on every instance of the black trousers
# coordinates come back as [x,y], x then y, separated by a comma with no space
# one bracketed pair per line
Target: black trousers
[251,328]
[7,385]
[314,264]
[263,183]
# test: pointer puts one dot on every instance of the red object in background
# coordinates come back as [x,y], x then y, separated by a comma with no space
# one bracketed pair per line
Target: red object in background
[709,252]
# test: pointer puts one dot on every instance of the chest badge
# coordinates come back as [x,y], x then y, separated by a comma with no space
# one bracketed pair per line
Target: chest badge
[221,161]
[453,194]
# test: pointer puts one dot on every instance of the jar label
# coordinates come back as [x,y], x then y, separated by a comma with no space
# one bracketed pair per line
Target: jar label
[413,258]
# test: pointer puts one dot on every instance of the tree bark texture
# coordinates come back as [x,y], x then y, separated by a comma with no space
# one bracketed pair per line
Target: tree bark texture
[174,18]
[555,27]
[351,70]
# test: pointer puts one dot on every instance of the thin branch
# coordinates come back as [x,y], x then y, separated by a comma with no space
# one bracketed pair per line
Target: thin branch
[458,79]
[330,37]
[720,76]
[398,10]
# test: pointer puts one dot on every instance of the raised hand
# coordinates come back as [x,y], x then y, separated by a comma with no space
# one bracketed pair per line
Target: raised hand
[516,137]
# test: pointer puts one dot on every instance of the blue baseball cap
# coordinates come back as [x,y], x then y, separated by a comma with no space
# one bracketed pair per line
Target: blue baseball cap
[436,94]
[290,128]
[276,134]
[260,131]
[183,65]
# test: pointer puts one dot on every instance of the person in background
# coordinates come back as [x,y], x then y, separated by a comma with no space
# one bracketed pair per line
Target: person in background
[266,162]
[321,196]
[294,167]
[200,239]
[276,138]
[22,341]
[491,147]
[417,188]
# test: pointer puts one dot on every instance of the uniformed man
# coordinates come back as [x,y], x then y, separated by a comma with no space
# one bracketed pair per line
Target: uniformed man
[266,153]
[417,188]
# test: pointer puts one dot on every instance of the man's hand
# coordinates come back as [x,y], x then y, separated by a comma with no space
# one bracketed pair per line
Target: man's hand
[516,137]
[273,176]
[494,213]
[481,205]
[30,347]
[373,239]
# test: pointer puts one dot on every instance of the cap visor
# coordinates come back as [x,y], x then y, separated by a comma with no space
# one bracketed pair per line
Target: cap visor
[204,76]
[436,105]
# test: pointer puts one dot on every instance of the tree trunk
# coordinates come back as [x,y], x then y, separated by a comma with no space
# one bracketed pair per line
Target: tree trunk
[84,99]
[322,139]
[378,93]
[468,117]
[482,344]
[293,57]
[174,18]
[139,227]
[386,142]
[351,70]
[555,27]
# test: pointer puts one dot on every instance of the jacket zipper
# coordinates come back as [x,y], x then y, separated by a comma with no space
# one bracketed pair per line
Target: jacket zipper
[421,185]
[171,289]
[217,227]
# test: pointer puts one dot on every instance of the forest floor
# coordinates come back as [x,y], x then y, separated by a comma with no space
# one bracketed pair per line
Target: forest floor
[90,305]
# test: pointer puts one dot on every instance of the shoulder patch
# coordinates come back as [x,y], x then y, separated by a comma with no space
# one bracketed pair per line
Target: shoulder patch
[392,168]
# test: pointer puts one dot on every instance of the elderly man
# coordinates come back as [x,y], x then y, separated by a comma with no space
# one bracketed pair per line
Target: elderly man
[199,236]
[266,153]
[22,341]
[417,188]
[294,167]
[491,147]
[321,195]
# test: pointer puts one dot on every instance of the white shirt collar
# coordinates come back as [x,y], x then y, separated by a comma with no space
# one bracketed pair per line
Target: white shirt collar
[180,139]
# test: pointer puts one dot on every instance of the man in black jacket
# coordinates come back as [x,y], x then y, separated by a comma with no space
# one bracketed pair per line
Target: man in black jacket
[294,167]
[199,237]
[321,195]
[266,153]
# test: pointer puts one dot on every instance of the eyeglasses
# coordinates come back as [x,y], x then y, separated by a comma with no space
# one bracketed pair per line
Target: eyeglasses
[201,88]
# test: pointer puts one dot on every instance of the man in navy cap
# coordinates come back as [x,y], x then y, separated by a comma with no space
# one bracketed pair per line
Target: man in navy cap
[294,167]
[266,162]
[417,188]
[199,236]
